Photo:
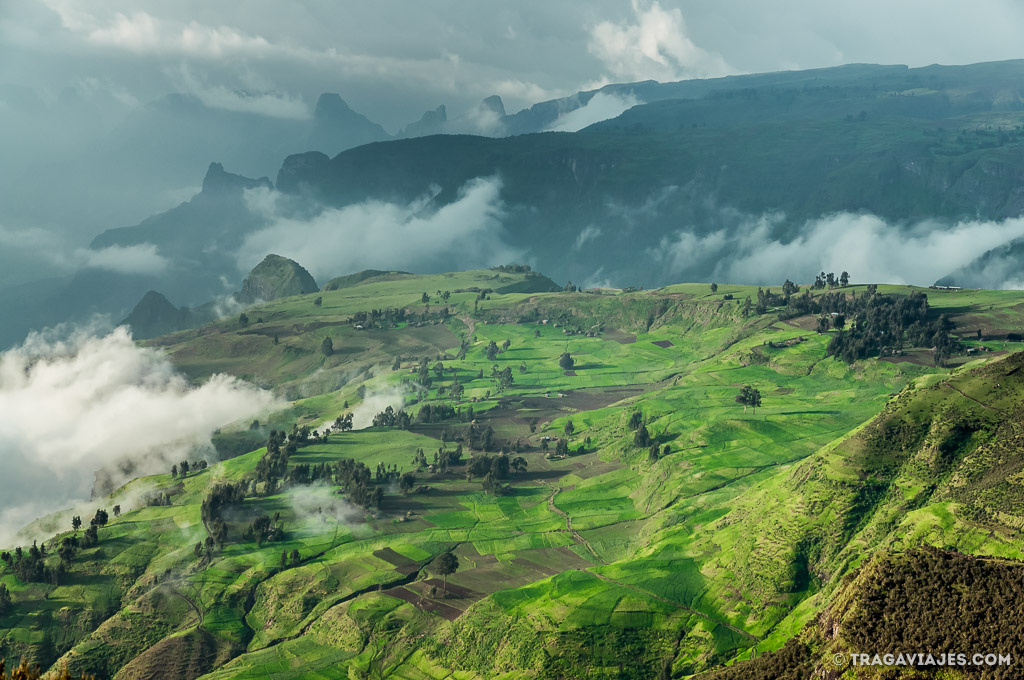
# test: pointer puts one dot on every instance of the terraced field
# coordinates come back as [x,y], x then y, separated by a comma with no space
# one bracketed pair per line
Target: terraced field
[610,561]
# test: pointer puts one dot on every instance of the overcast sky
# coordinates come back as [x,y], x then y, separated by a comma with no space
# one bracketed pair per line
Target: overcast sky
[392,59]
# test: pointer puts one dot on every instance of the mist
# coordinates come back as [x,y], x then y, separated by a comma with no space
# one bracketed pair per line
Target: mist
[74,402]
[601,106]
[375,402]
[868,247]
[465,234]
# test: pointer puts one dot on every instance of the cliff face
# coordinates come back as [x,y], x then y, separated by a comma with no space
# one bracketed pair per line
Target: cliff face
[276,277]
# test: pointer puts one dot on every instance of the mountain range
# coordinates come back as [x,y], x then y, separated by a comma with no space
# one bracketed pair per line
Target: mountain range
[732,178]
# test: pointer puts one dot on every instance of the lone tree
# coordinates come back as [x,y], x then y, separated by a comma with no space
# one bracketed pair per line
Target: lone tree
[714,287]
[566,362]
[327,347]
[749,396]
[5,598]
[76,523]
[492,351]
[569,428]
[446,563]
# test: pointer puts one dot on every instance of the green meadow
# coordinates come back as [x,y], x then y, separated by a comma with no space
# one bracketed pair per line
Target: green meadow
[607,562]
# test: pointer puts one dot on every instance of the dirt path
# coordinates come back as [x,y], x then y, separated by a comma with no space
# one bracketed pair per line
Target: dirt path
[678,605]
[979,403]
[568,524]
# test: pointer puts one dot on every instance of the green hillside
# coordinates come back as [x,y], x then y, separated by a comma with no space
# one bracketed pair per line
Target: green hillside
[615,513]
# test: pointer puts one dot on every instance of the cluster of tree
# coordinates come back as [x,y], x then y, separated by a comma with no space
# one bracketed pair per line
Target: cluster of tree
[263,529]
[343,423]
[273,465]
[386,473]
[436,413]
[513,268]
[934,600]
[444,459]
[30,566]
[304,473]
[379,318]
[749,396]
[219,498]
[354,479]
[26,671]
[885,323]
[389,417]
[829,280]
[184,467]
[292,558]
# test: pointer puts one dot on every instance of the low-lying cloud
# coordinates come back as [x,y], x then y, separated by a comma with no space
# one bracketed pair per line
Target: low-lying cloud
[375,402]
[52,250]
[73,403]
[602,106]
[464,234]
[871,249]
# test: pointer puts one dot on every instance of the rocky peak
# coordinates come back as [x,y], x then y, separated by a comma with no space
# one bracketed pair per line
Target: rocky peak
[276,277]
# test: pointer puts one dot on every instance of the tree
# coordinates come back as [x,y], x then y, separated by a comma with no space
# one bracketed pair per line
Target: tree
[839,321]
[117,511]
[714,287]
[284,558]
[425,299]
[184,467]
[749,396]
[99,519]
[492,351]
[318,301]
[327,347]
[642,438]
[446,563]
[407,482]
[295,556]
[566,362]
[636,418]
[505,345]
[823,324]
[197,549]
[5,598]
[746,306]
[844,279]
[174,471]
[569,428]
[243,319]
[76,523]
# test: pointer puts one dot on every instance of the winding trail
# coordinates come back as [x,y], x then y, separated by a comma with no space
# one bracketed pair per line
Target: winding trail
[568,523]
[979,403]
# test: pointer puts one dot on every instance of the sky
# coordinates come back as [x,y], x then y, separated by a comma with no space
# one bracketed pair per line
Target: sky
[392,60]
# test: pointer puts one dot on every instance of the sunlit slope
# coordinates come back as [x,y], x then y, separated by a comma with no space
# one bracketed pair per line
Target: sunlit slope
[610,562]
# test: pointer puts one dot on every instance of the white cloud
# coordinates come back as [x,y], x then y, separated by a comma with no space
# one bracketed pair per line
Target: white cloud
[871,249]
[50,248]
[588,233]
[601,106]
[73,404]
[655,47]
[273,104]
[464,234]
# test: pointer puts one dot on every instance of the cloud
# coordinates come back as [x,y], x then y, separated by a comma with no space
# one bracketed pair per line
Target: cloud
[272,104]
[375,402]
[588,233]
[464,234]
[48,247]
[601,106]
[871,249]
[316,504]
[73,403]
[653,47]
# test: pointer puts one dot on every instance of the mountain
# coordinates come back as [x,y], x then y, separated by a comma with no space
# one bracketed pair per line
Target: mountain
[1001,267]
[656,193]
[696,184]
[276,277]
[337,127]
[862,506]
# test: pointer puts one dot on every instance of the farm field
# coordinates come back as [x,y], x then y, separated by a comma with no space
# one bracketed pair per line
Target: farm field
[614,510]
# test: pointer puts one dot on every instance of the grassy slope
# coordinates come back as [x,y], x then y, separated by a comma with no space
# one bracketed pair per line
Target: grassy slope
[734,538]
